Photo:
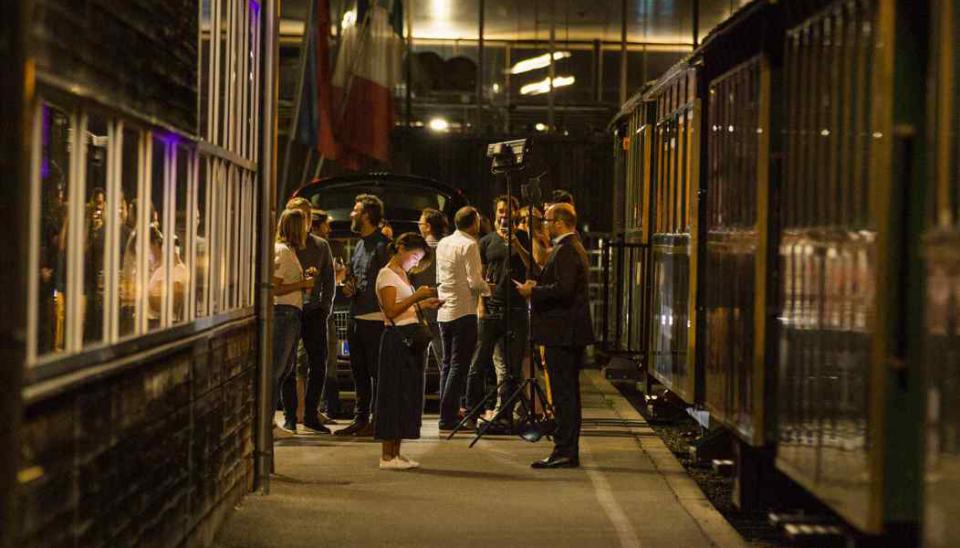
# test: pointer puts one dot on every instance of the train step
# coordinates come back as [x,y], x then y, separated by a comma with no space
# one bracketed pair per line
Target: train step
[803,529]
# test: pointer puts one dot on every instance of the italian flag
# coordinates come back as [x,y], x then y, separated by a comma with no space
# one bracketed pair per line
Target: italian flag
[368,67]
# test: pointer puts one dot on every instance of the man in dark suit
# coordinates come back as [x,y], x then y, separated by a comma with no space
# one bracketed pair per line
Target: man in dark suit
[561,323]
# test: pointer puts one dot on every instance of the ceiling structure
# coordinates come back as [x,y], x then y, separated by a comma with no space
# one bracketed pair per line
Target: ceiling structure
[668,22]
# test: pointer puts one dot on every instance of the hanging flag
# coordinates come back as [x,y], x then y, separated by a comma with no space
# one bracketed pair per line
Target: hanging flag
[327,144]
[367,70]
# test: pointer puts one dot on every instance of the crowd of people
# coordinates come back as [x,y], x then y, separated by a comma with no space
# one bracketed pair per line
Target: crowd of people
[468,298]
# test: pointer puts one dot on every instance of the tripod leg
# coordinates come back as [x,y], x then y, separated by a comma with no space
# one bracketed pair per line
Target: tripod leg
[475,412]
[517,394]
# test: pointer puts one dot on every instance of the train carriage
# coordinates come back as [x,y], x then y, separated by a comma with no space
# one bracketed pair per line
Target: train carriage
[781,270]
[630,248]
[844,408]
[675,190]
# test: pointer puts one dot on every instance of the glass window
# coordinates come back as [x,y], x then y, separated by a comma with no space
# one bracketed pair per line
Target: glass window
[97,143]
[54,171]
[179,267]
[128,285]
[201,240]
[156,266]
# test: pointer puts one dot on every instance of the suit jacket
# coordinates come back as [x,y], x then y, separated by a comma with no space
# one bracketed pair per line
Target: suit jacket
[561,299]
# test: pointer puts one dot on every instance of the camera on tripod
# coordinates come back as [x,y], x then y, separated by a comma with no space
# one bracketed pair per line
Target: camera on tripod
[508,155]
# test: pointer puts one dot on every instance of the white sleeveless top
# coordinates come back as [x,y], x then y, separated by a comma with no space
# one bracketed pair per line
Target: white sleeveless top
[386,278]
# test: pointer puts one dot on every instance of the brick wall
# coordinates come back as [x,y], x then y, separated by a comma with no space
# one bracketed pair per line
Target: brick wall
[151,456]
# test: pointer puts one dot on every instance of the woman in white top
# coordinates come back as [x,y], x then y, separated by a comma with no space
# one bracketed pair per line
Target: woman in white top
[289,282]
[399,403]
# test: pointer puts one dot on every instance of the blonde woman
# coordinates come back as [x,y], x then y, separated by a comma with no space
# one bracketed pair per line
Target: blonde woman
[399,400]
[289,282]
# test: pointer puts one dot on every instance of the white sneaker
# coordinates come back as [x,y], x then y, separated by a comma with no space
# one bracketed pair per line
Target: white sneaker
[394,464]
[411,462]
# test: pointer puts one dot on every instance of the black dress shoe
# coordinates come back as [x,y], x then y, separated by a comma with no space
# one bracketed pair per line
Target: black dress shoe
[556,462]
[351,429]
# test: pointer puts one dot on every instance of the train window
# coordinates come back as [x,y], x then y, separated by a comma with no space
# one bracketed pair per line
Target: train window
[96,144]
[128,284]
[54,168]
[158,241]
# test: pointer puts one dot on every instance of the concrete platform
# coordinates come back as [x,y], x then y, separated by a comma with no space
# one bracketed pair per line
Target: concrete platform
[630,491]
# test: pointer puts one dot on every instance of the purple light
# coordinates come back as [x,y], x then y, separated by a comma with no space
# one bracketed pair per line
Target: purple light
[255,8]
[168,137]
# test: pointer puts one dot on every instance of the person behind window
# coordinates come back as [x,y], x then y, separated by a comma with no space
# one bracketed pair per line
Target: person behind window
[156,287]
[366,326]
[433,226]
[399,402]
[289,282]
[459,283]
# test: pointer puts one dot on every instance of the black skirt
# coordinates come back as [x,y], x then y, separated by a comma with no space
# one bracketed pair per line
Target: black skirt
[399,406]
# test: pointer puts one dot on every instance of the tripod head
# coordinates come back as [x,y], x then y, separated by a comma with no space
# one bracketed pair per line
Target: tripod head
[508,156]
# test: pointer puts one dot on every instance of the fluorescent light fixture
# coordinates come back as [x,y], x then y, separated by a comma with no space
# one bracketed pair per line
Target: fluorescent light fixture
[537,62]
[439,124]
[543,86]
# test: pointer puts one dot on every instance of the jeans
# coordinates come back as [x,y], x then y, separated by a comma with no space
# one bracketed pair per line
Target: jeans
[286,333]
[364,340]
[313,332]
[494,337]
[436,351]
[459,343]
[331,390]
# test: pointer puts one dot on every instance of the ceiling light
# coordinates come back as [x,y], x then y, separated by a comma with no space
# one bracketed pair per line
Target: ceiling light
[439,124]
[543,86]
[537,62]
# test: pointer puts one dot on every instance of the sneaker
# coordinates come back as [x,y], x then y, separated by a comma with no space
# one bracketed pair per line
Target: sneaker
[396,464]
[411,462]
[351,429]
[315,427]
[290,427]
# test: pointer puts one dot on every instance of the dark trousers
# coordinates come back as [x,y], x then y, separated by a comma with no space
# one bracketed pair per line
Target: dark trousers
[459,342]
[363,336]
[563,367]
[494,335]
[331,391]
[313,332]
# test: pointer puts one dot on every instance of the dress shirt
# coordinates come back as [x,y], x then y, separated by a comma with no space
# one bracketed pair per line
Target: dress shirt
[459,276]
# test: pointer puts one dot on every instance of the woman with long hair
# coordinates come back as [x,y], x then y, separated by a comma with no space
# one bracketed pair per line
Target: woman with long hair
[289,281]
[399,403]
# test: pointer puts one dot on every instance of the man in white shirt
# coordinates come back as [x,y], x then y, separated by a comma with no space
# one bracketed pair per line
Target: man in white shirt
[460,283]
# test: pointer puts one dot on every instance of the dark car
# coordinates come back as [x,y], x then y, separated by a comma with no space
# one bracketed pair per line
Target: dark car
[404,198]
